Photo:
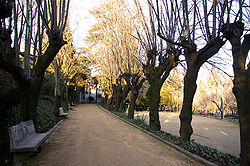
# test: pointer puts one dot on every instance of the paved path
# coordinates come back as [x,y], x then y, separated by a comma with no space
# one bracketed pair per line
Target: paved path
[222,135]
[92,137]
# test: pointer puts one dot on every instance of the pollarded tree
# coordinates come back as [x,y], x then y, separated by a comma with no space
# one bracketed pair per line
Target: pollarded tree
[133,75]
[104,50]
[29,21]
[233,31]
[200,37]
[135,82]
[113,50]
[159,57]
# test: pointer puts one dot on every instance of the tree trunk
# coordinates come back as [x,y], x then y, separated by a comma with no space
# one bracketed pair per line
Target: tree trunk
[194,61]
[242,93]
[105,101]
[190,86]
[29,101]
[110,104]
[117,97]
[123,97]
[121,107]
[154,100]
[96,94]
[29,96]
[58,103]
[222,109]
[133,98]
[29,86]
[241,88]
[67,93]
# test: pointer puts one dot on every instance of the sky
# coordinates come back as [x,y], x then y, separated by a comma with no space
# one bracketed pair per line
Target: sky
[80,19]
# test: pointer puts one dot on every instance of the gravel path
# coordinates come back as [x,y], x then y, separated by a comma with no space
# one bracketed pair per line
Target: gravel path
[92,137]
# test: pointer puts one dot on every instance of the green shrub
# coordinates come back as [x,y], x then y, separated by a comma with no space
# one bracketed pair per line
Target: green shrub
[9,106]
[45,113]
[48,84]
[10,116]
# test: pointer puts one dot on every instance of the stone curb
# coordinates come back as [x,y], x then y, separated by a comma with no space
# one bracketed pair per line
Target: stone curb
[53,128]
[178,148]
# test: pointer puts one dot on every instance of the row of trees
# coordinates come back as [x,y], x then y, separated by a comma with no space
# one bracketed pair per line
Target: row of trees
[215,94]
[137,45]
[31,36]
[42,44]
[70,68]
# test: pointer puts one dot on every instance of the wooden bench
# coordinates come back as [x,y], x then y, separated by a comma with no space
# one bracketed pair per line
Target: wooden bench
[62,113]
[23,137]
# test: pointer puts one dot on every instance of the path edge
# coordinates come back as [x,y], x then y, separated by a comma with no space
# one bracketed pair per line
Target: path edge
[54,127]
[178,148]
[49,133]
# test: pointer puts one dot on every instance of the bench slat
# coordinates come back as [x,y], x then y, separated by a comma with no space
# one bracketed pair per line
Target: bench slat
[23,137]
[30,127]
[17,133]
[31,143]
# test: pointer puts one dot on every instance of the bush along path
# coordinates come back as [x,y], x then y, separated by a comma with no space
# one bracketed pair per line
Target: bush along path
[210,154]
[11,116]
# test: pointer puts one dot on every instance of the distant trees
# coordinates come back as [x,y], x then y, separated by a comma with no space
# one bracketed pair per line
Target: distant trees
[135,83]
[30,20]
[215,93]
[65,66]
[167,97]
[113,51]
[172,89]
[221,94]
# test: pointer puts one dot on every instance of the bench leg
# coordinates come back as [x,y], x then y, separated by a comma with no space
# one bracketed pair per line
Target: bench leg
[19,157]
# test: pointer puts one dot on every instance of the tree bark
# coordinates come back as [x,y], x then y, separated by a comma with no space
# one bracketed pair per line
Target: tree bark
[117,97]
[132,104]
[58,92]
[156,76]
[123,97]
[29,100]
[105,100]
[67,93]
[110,104]
[29,87]
[241,82]
[241,91]
[194,61]
[190,87]
[154,100]
[134,83]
